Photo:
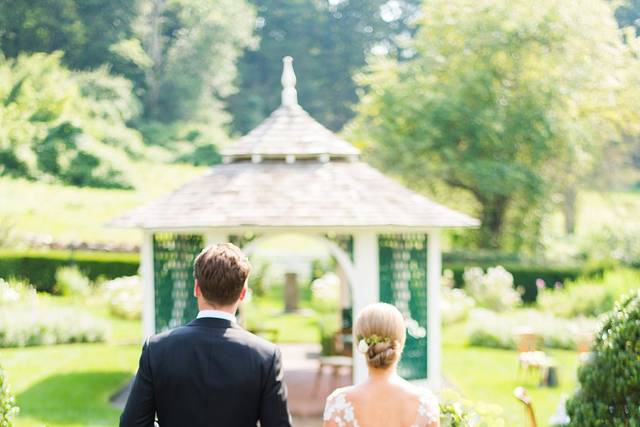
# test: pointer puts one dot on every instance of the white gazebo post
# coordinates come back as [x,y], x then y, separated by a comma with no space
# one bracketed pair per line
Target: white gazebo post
[434,272]
[366,290]
[148,292]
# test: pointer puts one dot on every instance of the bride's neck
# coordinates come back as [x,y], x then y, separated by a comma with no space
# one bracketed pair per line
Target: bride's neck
[378,375]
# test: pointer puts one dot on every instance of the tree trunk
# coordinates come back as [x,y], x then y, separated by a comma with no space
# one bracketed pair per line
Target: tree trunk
[492,217]
[569,209]
[154,48]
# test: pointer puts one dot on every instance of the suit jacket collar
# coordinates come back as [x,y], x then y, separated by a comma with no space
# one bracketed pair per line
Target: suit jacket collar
[212,322]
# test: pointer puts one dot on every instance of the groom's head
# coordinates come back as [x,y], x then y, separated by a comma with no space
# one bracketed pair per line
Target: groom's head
[220,272]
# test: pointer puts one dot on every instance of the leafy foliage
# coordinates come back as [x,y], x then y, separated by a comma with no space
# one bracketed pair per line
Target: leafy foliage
[329,41]
[8,408]
[505,102]
[458,412]
[498,330]
[71,282]
[30,320]
[493,290]
[124,297]
[40,269]
[56,125]
[589,296]
[609,391]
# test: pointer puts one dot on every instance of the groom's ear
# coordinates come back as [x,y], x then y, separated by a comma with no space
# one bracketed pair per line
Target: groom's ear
[243,294]
[196,289]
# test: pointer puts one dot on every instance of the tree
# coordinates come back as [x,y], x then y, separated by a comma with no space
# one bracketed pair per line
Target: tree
[329,41]
[187,50]
[65,126]
[505,101]
[609,393]
[85,30]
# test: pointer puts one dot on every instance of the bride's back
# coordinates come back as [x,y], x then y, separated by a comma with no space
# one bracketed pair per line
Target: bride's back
[387,404]
[384,399]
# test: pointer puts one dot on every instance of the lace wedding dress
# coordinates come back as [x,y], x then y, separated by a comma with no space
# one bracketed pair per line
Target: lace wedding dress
[339,410]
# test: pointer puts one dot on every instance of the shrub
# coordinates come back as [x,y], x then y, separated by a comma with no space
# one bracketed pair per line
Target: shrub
[458,412]
[455,304]
[525,276]
[13,291]
[498,330]
[8,408]
[620,243]
[71,282]
[609,393]
[28,319]
[493,290]
[24,325]
[124,297]
[589,296]
[39,268]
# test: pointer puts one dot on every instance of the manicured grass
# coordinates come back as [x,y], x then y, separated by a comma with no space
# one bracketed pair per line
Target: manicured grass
[79,214]
[490,376]
[68,385]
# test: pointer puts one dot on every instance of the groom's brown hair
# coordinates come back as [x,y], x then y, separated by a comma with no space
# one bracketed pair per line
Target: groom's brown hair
[221,271]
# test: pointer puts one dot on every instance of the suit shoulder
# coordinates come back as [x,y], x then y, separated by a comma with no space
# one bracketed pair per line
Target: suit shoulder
[256,342]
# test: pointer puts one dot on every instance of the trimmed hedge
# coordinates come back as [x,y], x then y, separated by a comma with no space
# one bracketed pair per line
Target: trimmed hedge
[39,268]
[524,276]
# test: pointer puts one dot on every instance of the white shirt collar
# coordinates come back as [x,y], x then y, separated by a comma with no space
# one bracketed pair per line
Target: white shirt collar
[217,314]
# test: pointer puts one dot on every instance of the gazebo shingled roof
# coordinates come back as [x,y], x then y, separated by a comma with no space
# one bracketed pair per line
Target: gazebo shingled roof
[291,171]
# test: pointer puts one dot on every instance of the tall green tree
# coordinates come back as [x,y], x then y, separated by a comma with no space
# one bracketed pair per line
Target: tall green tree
[187,50]
[329,41]
[65,126]
[85,30]
[507,101]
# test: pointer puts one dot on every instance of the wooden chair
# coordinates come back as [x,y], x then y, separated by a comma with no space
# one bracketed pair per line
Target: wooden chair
[530,417]
[530,359]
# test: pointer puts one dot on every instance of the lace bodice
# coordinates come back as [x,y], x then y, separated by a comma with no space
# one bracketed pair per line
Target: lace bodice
[340,410]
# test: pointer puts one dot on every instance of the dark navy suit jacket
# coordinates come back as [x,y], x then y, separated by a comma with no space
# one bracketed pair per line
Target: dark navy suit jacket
[210,372]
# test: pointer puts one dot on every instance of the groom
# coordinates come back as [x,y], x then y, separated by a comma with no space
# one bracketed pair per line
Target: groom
[210,372]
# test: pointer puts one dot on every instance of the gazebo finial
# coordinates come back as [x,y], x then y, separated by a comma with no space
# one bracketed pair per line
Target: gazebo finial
[288,80]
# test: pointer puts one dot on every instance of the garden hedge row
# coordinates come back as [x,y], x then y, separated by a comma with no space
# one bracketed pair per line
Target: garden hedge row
[39,268]
[525,276]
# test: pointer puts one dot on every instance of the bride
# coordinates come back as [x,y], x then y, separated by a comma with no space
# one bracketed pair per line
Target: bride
[384,399]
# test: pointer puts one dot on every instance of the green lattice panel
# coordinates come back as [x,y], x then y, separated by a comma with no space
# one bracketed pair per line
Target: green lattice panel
[403,283]
[173,256]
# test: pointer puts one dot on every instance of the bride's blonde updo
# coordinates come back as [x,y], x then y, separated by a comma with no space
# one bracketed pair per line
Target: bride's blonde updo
[380,331]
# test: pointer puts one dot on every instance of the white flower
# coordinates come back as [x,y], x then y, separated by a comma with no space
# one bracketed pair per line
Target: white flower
[363,347]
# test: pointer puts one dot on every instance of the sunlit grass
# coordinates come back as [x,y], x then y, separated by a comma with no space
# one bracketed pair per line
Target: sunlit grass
[69,213]
[491,375]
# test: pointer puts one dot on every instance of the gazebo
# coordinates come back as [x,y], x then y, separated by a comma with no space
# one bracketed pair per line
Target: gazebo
[291,174]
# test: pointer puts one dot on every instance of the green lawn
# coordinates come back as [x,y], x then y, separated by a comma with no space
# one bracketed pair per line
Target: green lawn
[490,376]
[70,213]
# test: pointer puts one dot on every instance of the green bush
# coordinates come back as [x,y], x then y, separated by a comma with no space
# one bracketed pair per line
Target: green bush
[493,290]
[30,325]
[589,296]
[498,330]
[609,393]
[458,412]
[71,282]
[39,268]
[524,275]
[124,297]
[8,408]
